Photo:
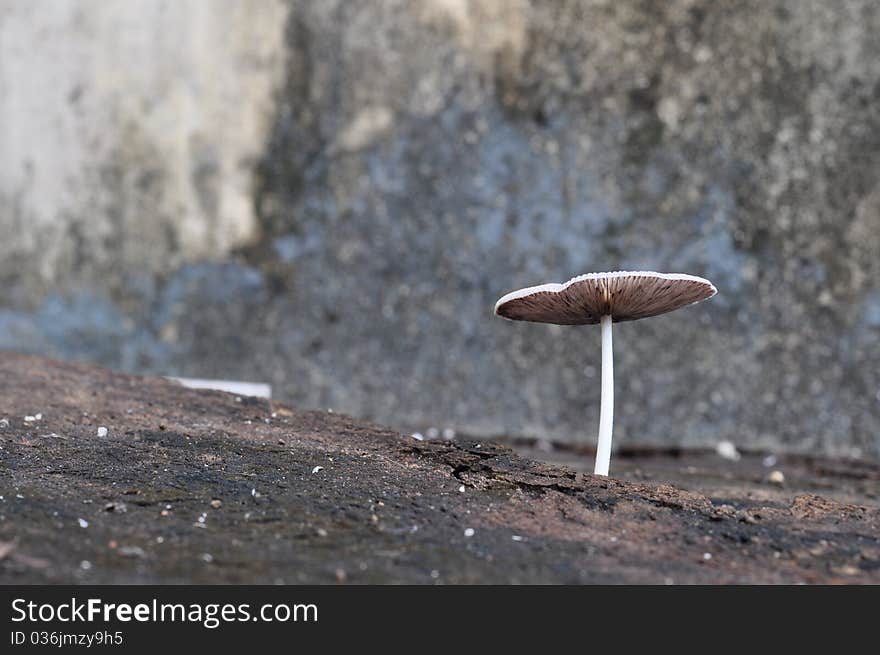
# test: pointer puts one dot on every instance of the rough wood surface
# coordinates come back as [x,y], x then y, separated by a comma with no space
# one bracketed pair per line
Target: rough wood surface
[206,487]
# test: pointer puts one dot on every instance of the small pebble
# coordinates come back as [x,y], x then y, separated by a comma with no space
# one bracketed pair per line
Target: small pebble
[728,451]
[317,468]
[216,503]
[707,556]
[847,569]
[516,537]
[102,431]
[769,461]
[469,532]
[85,565]
[83,523]
[207,557]
[776,477]
[132,551]
[461,489]
[417,436]
[4,423]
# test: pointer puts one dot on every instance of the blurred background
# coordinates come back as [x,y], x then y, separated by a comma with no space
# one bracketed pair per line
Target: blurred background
[329,196]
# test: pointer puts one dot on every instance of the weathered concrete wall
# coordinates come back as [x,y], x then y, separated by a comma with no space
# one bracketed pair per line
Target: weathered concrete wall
[129,134]
[345,236]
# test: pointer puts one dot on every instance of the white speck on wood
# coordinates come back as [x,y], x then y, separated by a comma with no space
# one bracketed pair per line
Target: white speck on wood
[727,450]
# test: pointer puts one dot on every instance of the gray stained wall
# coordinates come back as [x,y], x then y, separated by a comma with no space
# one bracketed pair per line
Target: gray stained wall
[329,196]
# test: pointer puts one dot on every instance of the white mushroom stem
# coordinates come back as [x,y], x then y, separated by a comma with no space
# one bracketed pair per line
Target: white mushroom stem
[606,410]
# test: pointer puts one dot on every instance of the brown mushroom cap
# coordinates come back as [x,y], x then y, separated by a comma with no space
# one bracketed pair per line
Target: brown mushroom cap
[625,295]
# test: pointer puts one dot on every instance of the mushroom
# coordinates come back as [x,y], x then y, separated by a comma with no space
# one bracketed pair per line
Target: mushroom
[605,298]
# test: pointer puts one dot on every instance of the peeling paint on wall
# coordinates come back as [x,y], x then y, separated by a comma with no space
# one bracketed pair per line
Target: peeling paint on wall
[130,131]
